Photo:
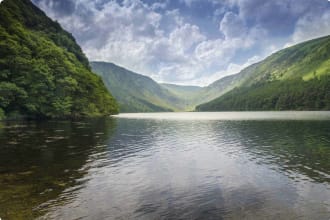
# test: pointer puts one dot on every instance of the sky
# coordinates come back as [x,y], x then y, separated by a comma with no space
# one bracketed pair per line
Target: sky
[185,42]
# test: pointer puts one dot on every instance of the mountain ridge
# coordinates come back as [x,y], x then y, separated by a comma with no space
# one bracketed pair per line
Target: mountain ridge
[292,64]
[135,92]
[284,80]
[45,74]
[139,93]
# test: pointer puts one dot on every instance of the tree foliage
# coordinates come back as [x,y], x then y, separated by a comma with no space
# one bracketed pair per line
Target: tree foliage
[135,92]
[295,94]
[43,72]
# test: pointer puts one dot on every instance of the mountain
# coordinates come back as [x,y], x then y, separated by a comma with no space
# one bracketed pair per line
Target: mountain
[189,95]
[43,71]
[182,90]
[295,78]
[139,93]
[195,95]
[135,92]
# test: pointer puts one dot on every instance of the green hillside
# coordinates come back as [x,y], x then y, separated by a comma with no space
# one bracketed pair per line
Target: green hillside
[189,95]
[135,92]
[139,93]
[194,95]
[223,85]
[295,78]
[43,72]
[182,90]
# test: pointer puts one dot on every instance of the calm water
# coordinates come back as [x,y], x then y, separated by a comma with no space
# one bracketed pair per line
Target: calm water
[168,166]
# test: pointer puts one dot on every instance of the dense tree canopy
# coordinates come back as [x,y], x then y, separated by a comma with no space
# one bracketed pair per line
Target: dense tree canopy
[278,95]
[43,72]
[135,92]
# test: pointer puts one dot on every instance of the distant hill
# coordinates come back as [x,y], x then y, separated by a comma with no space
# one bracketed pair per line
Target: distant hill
[295,78]
[45,74]
[182,90]
[138,93]
[43,71]
[135,92]
[188,94]
[195,95]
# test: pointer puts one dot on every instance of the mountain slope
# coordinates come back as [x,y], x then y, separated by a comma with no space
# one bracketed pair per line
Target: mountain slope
[194,95]
[189,95]
[43,72]
[224,85]
[295,78]
[182,90]
[135,92]
[139,93]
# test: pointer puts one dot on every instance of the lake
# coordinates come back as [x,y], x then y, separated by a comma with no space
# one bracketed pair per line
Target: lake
[248,165]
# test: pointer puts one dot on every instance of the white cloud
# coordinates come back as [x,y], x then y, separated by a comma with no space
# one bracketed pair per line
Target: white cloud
[220,50]
[134,35]
[232,26]
[171,46]
[159,5]
[189,2]
[309,27]
[185,36]
[232,68]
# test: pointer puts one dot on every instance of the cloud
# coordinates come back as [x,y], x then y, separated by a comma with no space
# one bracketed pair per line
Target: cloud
[187,41]
[230,69]
[159,5]
[309,27]
[278,17]
[219,50]
[59,8]
[185,36]
[232,26]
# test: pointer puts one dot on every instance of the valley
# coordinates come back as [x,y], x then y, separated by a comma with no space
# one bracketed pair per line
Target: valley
[295,78]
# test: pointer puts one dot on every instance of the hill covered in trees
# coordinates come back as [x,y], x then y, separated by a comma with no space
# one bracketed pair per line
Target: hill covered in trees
[43,71]
[139,93]
[45,74]
[295,78]
[135,92]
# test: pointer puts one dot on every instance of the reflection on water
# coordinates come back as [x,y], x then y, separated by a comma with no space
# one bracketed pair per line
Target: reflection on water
[166,169]
[38,161]
[232,116]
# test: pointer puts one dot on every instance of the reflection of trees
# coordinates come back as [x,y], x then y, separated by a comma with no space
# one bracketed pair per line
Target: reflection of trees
[299,146]
[39,160]
[133,137]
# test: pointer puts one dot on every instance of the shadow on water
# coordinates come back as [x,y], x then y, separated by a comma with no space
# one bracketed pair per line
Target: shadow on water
[39,160]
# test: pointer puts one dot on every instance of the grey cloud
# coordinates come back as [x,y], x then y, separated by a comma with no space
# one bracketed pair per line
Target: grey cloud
[309,27]
[279,17]
[60,7]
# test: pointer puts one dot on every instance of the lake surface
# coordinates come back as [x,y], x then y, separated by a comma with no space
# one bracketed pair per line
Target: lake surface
[252,165]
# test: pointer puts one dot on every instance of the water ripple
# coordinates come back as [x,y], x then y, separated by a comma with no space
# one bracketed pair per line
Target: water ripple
[146,168]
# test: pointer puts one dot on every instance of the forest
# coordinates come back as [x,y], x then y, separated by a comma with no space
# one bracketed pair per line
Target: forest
[278,95]
[43,71]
